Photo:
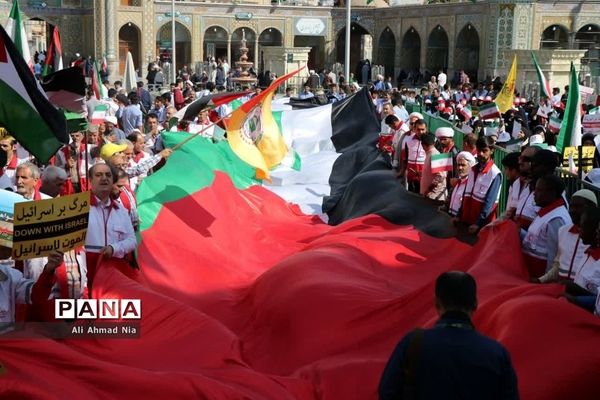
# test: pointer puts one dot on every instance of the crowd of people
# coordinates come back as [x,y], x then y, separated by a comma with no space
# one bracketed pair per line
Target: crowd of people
[467,184]
[560,240]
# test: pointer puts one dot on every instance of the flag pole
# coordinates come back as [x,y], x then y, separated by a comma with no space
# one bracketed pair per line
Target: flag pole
[347,51]
[173,59]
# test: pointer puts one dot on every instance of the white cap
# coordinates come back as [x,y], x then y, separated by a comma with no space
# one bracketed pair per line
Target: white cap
[111,118]
[535,139]
[445,132]
[416,114]
[586,194]
[467,156]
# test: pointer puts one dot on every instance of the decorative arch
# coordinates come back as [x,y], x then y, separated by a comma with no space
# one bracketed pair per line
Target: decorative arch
[360,38]
[386,51]
[215,42]
[588,38]
[270,36]
[410,53]
[437,50]
[41,31]
[183,44]
[129,41]
[236,42]
[466,54]
[555,37]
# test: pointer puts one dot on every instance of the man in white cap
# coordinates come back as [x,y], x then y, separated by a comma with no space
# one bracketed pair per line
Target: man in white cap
[571,249]
[464,162]
[112,133]
[445,138]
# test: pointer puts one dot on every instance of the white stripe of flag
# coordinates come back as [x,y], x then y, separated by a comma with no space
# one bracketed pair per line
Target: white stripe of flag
[441,162]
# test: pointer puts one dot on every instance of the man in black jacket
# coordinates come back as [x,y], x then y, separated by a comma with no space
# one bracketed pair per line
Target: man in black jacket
[451,360]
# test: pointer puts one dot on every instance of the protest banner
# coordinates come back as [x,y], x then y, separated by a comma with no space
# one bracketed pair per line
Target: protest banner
[591,124]
[572,153]
[43,226]
[7,205]
[587,94]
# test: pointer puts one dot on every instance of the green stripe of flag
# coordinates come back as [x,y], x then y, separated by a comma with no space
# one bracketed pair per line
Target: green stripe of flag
[292,159]
[570,130]
[199,158]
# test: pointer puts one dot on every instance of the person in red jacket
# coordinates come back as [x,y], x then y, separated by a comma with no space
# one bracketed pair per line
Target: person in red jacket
[178,98]
[482,193]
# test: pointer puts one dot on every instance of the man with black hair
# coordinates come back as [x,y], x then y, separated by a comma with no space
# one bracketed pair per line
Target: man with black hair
[412,154]
[520,205]
[540,244]
[510,163]
[177,92]
[433,182]
[483,188]
[132,117]
[451,360]
[144,97]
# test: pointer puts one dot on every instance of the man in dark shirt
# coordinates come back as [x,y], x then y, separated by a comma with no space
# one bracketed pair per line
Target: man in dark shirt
[451,360]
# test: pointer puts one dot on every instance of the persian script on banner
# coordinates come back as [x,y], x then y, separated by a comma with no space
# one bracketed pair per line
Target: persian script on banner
[43,226]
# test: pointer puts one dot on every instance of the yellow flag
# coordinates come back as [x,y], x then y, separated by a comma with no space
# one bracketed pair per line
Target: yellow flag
[271,144]
[253,133]
[505,98]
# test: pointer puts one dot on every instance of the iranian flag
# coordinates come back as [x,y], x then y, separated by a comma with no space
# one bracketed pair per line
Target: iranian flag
[467,113]
[570,130]
[97,86]
[489,111]
[441,162]
[98,114]
[53,61]
[16,31]
[544,84]
[554,124]
[24,109]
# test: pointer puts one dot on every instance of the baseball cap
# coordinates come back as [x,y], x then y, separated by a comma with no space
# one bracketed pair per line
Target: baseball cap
[110,149]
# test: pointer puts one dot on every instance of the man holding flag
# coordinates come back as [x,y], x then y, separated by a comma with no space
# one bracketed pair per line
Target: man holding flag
[433,177]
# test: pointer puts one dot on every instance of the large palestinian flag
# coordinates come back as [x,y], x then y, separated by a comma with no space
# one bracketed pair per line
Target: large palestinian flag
[245,296]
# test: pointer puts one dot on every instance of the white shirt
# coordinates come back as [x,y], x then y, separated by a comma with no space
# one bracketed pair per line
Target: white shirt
[442,79]
[134,181]
[401,113]
[588,274]
[14,288]
[109,225]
